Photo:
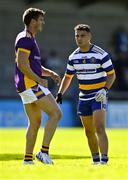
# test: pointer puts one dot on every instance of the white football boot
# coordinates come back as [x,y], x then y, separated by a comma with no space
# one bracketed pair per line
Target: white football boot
[28,162]
[103,163]
[44,158]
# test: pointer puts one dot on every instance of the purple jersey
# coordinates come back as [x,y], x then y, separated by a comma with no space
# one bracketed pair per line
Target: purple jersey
[27,43]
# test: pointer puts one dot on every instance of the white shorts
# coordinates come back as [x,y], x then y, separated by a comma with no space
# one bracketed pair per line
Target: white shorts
[33,94]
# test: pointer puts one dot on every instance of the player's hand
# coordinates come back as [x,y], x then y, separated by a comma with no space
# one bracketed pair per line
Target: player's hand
[56,78]
[101,95]
[59,98]
[43,82]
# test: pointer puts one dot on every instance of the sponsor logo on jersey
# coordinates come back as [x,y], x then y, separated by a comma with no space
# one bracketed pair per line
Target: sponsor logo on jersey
[92,59]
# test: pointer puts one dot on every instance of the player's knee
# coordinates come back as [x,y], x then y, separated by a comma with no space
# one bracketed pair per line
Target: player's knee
[56,114]
[38,123]
[100,130]
[35,125]
[60,114]
[90,133]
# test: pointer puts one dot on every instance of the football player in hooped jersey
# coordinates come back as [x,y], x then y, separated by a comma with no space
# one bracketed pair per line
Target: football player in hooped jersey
[33,88]
[95,74]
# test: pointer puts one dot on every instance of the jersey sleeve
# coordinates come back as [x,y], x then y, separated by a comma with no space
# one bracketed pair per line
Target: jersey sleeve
[70,71]
[106,64]
[25,45]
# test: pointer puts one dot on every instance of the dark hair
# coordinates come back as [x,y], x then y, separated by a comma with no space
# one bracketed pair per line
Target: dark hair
[31,13]
[82,27]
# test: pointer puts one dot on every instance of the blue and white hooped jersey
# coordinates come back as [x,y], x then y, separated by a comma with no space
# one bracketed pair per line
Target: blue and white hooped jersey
[91,69]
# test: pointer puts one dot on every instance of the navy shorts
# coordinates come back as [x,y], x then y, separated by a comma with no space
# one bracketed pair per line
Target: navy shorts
[87,107]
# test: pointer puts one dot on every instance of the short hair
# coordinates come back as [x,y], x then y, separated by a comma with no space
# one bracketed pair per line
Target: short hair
[82,27]
[31,13]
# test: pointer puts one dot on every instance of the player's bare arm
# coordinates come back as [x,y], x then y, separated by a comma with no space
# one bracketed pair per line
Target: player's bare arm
[101,94]
[66,81]
[48,73]
[110,80]
[23,65]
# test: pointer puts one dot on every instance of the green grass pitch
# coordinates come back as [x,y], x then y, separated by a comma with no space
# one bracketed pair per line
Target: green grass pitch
[70,154]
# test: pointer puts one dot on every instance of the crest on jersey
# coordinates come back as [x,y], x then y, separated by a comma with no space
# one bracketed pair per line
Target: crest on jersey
[84,61]
[92,59]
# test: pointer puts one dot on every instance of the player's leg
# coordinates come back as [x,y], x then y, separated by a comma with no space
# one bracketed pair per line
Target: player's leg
[49,106]
[99,117]
[88,124]
[34,120]
[85,112]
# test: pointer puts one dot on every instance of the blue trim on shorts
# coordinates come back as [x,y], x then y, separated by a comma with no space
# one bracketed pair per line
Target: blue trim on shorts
[87,107]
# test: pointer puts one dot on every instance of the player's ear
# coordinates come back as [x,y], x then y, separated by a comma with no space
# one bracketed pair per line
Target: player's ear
[33,21]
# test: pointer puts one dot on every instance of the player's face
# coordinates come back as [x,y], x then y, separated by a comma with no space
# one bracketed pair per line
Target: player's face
[39,23]
[82,38]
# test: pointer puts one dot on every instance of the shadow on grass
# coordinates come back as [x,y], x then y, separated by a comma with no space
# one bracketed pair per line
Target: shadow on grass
[57,156]
[9,157]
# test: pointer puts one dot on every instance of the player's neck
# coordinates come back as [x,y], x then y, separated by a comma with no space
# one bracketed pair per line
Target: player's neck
[86,47]
[31,31]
